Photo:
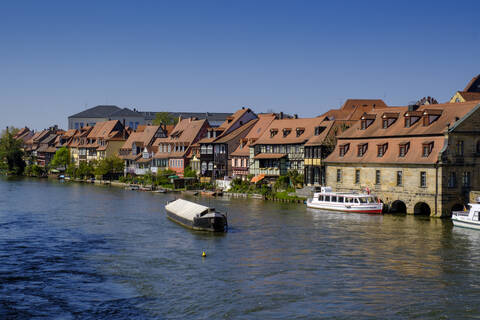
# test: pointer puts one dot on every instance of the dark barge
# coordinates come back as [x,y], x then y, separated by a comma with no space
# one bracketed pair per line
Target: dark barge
[195,216]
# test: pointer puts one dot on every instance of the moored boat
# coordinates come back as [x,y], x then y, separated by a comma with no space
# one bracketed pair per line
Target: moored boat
[196,216]
[345,202]
[467,219]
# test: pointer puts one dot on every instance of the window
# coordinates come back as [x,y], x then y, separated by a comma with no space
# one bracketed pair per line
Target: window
[427,149]
[362,149]
[269,149]
[377,176]
[273,132]
[381,149]
[410,120]
[460,148]
[204,167]
[340,199]
[130,124]
[357,176]
[344,149]
[319,130]
[300,131]
[403,149]
[339,175]
[452,180]
[76,125]
[286,132]
[423,179]
[466,179]
[385,124]
[210,166]
[399,178]
[210,149]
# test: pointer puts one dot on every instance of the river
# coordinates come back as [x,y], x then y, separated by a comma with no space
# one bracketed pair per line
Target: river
[77,251]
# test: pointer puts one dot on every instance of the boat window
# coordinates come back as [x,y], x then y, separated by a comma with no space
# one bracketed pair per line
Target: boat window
[476,216]
[363,200]
[349,200]
[340,199]
[320,198]
[327,198]
[334,198]
[356,200]
[370,200]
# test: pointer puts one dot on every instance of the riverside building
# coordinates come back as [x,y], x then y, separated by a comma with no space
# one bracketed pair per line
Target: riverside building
[417,159]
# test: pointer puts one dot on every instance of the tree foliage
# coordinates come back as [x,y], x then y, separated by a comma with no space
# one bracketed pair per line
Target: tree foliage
[189,173]
[109,167]
[11,154]
[164,118]
[34,170]
[61,158]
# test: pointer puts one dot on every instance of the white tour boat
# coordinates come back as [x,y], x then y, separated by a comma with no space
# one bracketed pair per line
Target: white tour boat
[467,219]
[346,202]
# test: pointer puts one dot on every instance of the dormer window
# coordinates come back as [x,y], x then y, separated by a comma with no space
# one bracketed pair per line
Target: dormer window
[273,132]
[344,149]
[412,117]
[430,115]
[403,149]
[367,120]
[362,149]
[300,131]
[286,132]
[427,148]
[319,130]
[389,118]
[381,149]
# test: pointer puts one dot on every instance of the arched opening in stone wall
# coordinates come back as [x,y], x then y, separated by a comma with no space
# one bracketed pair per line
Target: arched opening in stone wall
[422,209]
[457,207]
[398,206]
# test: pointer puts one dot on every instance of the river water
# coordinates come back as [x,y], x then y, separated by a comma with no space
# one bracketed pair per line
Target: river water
[75,251]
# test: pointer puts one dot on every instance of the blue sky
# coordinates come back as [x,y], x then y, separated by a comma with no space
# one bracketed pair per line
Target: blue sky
[305,57]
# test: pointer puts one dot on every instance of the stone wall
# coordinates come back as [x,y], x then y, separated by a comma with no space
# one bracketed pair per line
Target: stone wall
[415,197]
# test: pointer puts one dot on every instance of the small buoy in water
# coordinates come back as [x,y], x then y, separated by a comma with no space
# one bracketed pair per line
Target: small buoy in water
[204,254]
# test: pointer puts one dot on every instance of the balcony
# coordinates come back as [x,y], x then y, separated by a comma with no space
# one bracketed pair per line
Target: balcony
[268,171]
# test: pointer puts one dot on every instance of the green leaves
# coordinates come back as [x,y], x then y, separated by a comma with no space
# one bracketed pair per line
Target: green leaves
[61,158]
[11,154]
[164,118]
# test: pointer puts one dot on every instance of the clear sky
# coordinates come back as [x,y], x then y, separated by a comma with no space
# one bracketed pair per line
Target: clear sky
[59,57]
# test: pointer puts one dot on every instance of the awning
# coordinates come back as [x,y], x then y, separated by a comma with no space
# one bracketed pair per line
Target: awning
[257,178]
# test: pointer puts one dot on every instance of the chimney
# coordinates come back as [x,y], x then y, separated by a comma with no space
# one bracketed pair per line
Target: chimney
[179,118]
[412,107]
[281,115]
[295,116]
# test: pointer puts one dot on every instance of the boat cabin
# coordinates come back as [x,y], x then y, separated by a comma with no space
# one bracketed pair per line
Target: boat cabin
[344,198]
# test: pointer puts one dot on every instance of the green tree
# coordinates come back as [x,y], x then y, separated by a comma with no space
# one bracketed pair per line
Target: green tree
[189,173]
[11,154]
[61,159]
[109,167]
[164,118]
[85,170]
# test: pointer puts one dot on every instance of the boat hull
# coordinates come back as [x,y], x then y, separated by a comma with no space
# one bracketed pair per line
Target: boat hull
[212,224]
[466,224]
[374,209]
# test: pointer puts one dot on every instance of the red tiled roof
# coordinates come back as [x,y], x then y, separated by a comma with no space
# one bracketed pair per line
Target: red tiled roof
[308,124]
[450,112]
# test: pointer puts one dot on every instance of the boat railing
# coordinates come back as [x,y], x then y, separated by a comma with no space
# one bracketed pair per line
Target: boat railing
[460,213]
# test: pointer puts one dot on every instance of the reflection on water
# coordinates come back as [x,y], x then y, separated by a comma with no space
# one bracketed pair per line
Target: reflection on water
[74,250]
